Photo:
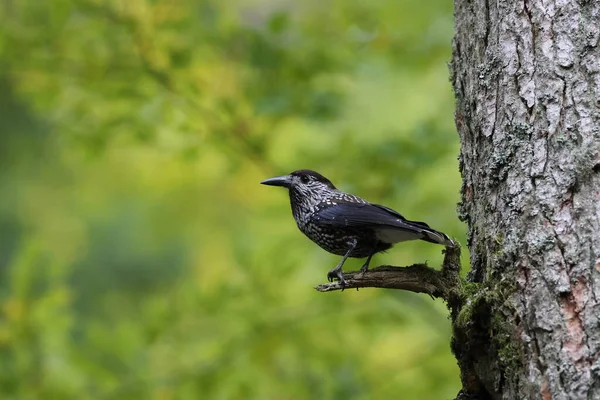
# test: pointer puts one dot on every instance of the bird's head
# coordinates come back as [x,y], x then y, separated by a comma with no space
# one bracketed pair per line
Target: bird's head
[303,182]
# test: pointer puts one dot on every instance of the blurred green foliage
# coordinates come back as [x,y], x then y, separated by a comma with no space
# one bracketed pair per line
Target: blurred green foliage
[139,256]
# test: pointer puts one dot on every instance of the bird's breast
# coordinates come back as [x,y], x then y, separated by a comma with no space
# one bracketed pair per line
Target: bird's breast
[339,240]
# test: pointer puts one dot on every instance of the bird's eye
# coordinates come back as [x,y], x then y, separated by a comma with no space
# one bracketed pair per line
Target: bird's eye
[304,179]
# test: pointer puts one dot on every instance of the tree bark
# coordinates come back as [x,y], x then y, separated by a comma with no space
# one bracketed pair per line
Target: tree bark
[526,75]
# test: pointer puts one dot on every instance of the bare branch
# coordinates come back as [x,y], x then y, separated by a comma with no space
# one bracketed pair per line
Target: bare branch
[418,278]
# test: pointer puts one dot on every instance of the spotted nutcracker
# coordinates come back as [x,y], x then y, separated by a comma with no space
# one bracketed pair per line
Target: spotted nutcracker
[345,224]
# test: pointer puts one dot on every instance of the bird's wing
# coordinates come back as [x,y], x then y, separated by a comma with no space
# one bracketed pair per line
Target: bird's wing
[382,219]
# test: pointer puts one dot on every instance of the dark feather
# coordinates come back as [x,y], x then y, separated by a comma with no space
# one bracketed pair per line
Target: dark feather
[394,212]
[375,216]
[360,215]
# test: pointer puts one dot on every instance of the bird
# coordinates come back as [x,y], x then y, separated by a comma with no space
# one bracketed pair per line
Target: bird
[345,224]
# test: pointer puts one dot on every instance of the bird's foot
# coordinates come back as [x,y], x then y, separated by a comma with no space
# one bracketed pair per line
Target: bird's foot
[363,270]
[337,273]
[331,275]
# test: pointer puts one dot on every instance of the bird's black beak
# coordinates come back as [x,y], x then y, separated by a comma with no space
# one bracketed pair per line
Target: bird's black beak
[278,181]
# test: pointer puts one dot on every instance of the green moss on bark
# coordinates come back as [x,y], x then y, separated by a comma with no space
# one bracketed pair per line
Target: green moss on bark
[483,331]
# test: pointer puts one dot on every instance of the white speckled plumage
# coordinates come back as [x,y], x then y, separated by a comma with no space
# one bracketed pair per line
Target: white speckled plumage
[345,224]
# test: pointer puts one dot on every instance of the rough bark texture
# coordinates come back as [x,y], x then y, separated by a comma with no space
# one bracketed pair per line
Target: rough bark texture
[527,80]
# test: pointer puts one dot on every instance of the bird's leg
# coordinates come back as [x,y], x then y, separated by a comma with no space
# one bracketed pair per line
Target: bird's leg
[337,271]
[365,267]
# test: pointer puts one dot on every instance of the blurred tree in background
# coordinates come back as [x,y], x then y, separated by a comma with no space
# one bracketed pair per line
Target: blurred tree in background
[139,256]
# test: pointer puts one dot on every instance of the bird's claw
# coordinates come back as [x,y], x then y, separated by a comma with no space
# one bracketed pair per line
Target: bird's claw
[363,270]
[333,274]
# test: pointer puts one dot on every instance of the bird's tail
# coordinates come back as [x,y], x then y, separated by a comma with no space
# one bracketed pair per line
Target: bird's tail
[433,236]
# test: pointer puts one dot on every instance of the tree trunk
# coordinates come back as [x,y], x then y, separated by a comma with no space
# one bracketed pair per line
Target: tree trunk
[527,80]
